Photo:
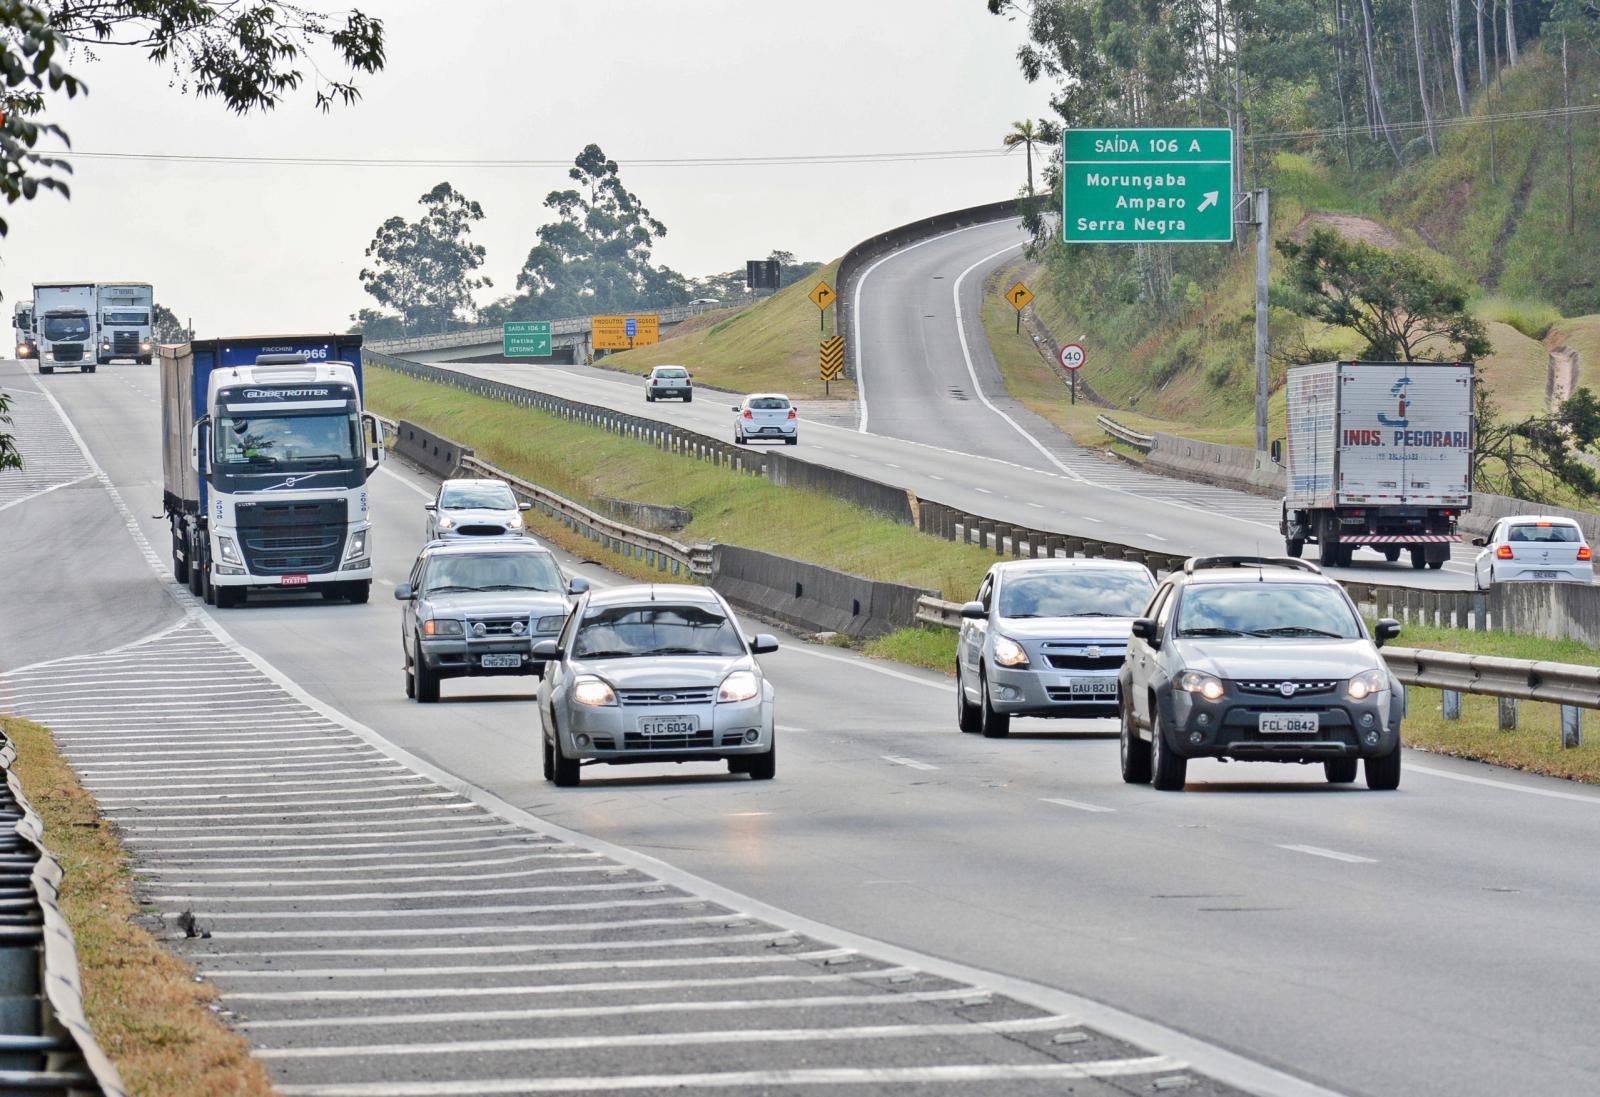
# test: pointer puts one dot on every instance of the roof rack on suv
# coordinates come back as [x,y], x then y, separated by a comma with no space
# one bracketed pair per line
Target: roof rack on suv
[1198,563]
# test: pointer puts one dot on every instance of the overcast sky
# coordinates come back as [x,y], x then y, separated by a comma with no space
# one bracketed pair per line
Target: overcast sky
[254,248]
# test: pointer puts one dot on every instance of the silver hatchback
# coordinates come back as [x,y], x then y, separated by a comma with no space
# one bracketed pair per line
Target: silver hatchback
[655,673]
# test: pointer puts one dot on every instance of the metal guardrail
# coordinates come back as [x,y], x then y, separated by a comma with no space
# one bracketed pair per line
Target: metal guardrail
[572,325]
[49,1050]
[1141,442]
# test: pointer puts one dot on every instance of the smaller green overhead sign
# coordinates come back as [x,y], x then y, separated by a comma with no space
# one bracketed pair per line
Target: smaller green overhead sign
[526,339]
[1128,186]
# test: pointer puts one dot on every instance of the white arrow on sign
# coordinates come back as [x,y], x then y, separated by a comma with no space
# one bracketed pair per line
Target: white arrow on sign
[1209,200]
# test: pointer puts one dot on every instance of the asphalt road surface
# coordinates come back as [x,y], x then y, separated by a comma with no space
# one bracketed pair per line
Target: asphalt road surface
[1436,940]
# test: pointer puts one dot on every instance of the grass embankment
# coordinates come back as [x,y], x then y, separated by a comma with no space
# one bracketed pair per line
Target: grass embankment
[1534,746]
[769,347]
[146,1007]
[588,464]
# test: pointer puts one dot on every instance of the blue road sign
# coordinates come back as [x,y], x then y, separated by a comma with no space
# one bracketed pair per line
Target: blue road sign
[631,327]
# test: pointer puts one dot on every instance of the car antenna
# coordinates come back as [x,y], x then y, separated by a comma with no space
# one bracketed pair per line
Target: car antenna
[1261,573]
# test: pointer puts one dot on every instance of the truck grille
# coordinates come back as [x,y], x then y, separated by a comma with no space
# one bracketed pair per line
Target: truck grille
[125,342]
[67,352]
[292,538]
[696,695]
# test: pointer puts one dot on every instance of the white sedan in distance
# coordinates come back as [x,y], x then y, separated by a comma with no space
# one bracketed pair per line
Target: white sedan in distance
[1534,549]
[766,416]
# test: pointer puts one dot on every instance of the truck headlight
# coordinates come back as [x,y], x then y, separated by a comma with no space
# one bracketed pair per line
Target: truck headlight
[1206,685]
[228,551]
[441,627]
[358,545]
[145,346]
[1009,653]
[741,685]
[1366,683]
[593,692]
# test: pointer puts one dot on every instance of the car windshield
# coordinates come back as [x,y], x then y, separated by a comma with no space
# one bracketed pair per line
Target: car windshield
[477,497]
[619,632]
[267,441]
[1266,609]
[1546,532]
[480,571]
[769,403]
[1085,592]
[60,328]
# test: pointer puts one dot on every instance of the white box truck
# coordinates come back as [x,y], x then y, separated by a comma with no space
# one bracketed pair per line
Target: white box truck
[1380,455]
[64,320]
[22,321]
[125,313]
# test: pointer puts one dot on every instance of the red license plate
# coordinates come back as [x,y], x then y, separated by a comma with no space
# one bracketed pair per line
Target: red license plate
[296,580]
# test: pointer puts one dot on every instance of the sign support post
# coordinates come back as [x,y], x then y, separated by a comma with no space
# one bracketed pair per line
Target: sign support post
[1260,216]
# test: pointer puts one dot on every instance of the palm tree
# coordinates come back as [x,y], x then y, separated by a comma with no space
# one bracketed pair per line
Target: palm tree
[1026,134]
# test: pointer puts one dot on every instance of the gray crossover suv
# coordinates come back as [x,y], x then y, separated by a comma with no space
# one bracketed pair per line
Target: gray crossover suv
[475,607]
[1046,638]
[1261,659]
[655,674]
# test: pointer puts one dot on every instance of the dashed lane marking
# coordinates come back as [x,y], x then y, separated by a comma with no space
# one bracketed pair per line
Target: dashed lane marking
[1331,854]
[909,763]
[1078,804]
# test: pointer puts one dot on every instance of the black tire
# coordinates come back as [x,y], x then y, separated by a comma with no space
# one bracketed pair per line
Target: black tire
[427,685]
[1435,565]
[208,589]
[358,591]
[1168,770]
[1383,770]
[145,361]
[1328,547]
[649,399]
[992,724]
[1339,771]
[1419,558]
[549,758]
[1294,549]
[197,567]
[47,370]
[968,718]
[763,766]
[1346,552]
[1135,751]
[1391,553]
[226,597]
[180,564]
[689,399]
[331,593]
[565,771]
[795,441]
[411,683]
[738,439]
[89,369]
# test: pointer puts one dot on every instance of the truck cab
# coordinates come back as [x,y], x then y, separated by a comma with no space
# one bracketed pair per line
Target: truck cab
[65,319]
[125,314]
[22,321]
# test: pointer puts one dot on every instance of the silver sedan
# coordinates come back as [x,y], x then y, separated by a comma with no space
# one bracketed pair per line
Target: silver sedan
[655,674]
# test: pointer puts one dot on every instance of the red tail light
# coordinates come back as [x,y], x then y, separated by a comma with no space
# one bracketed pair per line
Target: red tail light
[1503,552]
[793,414]
[747,414]
[1584,553]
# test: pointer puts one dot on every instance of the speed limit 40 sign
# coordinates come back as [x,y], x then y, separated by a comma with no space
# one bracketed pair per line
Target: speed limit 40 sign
[1073,357]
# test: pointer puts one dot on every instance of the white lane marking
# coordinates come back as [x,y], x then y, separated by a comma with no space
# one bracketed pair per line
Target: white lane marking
[629,985]
[406,866]
[867,664]
[1331,854]
[448,912]
[745,814]
[890,465]
[291,816]
[669,1039]
[45,491]
[1155,537]
[1086,518]
[419,489]
[1507,786]
[478,834]
[549,1012]
[177,857]
[755,1081]
[1037,506]
[391,893]
[394,950]
[770,957]
[934,476]
[396,883]
[539,947]
[985,491]
[321,934]
[910,763]
[1080,805]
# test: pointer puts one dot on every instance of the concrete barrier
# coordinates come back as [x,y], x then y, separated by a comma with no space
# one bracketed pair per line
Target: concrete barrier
[1554,611]
[433,452]
[890,501]
[1209,463]
[653,516]
[811,597]
[1488,509]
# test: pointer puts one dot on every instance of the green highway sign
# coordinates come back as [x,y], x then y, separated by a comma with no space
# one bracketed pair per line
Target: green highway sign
[526,339]
[1131,186]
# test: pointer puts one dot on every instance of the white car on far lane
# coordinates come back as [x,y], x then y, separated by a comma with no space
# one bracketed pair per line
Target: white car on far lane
[1535,549]
[766,416]
[474,508]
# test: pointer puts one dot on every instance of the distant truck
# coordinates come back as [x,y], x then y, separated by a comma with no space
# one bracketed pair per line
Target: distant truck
[1380,455]
[64,323]
[125,313]
[266,453]
[22,321]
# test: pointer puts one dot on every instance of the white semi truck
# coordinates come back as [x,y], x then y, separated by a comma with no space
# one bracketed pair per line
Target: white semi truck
[64,320]
[126,310]
[1380,455]
[266,453]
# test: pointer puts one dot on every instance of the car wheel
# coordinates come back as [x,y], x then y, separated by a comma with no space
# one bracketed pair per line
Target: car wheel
[994,725]
[968,719]
[649,399]
[764,766]
[792,441]
[1383,770]
[1135,751]
[1168,770]
[427,687]
[1294,549]
[564,771]
[411,683]
[689,399]
[738,438]
[549,755]
[1339,771]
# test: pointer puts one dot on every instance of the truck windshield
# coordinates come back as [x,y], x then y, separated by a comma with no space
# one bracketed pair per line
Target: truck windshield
[62,328]
[125,317]
[272,441]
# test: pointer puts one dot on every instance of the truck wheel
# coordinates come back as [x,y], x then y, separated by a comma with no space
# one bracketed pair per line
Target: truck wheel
[227,597]
[1435,565]
[1419,558]
[197,567]
[358,591]
[1294,549]
[180,564]
[1168,771]
[89,369]
[1391,553]
[47,369]
[1328,549]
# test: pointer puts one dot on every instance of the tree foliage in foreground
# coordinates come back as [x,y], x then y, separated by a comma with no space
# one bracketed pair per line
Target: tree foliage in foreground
[1522,459]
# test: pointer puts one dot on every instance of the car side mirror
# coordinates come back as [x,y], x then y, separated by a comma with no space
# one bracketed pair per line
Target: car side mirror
[1145,629]
[404,592]
[577,585]
[974,611]
[1480,541]
[1386,629]
[547,650]
[763,643]
[431,508]
[733,407]
[524,507]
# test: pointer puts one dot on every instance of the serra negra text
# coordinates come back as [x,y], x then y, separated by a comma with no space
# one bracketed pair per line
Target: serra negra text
[1142,203]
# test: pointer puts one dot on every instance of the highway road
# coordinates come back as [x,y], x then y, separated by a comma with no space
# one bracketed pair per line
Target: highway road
[1431,941]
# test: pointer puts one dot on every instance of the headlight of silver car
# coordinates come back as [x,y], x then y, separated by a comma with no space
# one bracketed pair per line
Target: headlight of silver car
[550,624]
[1009,653]
[1366,683]
[741,685]
[593,692]
[438,627]
[1206,685]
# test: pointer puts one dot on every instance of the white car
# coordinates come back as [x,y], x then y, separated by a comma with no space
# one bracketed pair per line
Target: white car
[1534,549]
[474,508]
[667,381]
[766,416]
